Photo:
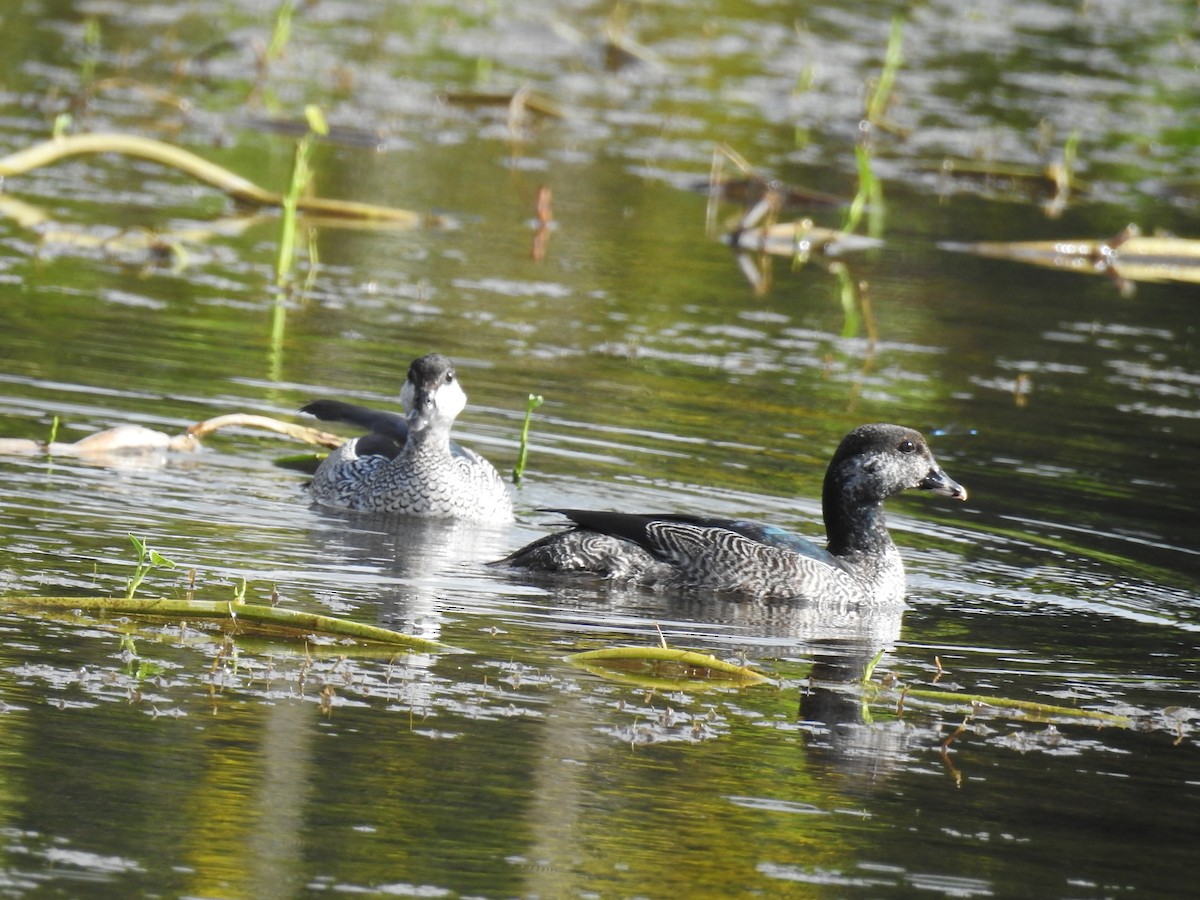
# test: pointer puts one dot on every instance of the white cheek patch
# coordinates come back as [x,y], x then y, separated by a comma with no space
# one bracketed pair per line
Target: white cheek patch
[450,400]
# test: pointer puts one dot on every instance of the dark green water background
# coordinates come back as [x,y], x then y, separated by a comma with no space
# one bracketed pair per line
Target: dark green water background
[1070,409]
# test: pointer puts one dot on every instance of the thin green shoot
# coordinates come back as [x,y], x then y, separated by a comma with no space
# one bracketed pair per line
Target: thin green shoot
[281,33]
[892,60]
[129,652]
[314,261]
[275,341]
[54,423]
[1062,173]
[869,197]
[147,559]
[91,51]
[848,296]
[535,400]
[287,226]
[147,669]
[1071,153]
[869,669]
[136,665]
[301,175]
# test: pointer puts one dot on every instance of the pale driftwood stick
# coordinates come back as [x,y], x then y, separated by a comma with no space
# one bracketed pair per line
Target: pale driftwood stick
[245,420]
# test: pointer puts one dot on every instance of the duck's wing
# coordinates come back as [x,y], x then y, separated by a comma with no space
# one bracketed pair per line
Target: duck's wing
[376,444]
[387,424]
[774,536]
[655,532]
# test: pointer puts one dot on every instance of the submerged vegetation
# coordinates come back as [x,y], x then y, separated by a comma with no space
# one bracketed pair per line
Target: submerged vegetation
[653,668]
[235,614]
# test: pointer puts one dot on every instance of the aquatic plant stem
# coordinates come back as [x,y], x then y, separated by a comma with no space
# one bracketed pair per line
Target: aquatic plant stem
[873,690]
[869,196]
[893,57]
[301,176]
[287,219]
[535,400]
[147,559]
[281,32]
[268,616]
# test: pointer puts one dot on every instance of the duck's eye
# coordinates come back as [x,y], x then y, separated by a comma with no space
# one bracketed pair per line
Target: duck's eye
[907,446]
[449,377]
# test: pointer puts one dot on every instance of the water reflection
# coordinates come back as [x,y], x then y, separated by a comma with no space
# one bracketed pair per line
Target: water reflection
[414,560]
[842,641]
[509,772]
[120,447]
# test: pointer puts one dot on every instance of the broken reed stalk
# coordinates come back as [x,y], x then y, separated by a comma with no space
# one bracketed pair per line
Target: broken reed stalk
[240,189]
[976,700]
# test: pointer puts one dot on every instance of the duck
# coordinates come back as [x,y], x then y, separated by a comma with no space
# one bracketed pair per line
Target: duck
[407,464]
[859,563]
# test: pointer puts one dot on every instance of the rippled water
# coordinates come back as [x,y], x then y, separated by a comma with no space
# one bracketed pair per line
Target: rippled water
[142,759]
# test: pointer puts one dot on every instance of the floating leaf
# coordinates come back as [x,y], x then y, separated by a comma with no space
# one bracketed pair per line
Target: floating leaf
[667,667]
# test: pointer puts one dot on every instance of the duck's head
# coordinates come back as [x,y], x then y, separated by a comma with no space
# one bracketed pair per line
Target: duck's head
[873,462]
[431,395]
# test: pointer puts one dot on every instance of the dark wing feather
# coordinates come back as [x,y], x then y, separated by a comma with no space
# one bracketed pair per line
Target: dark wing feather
[388,424]
[376,444]
[633,527]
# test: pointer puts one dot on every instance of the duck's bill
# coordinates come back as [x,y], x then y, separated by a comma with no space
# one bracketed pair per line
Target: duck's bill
[941,483]
[423,406]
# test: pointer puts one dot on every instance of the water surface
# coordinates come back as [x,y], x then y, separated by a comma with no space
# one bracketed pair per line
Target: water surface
[140,759]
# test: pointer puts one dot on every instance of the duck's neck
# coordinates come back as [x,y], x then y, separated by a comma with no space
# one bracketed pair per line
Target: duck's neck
[427,442]
[853,526]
